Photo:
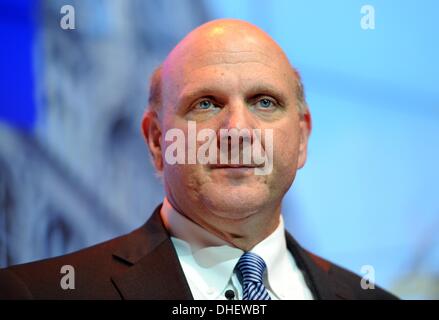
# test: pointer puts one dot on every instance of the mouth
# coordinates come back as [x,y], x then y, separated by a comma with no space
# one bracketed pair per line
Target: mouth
[234,171]
[234,166]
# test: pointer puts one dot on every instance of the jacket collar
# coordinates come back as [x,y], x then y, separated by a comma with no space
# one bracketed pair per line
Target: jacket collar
[318,273]
[150,253]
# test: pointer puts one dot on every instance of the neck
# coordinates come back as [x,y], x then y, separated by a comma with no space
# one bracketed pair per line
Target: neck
[242,233]
[249,232]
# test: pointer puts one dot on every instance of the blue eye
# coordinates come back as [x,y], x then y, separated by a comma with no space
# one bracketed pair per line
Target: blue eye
[205,104]
[265,103]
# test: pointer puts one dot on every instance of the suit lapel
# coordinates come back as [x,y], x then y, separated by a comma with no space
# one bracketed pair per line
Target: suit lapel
[318,273]
[155,272]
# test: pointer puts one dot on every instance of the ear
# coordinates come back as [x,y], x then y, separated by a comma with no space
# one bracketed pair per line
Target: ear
[153,137]
[304,132]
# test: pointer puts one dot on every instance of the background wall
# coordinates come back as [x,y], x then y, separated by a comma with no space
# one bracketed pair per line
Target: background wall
[74,170]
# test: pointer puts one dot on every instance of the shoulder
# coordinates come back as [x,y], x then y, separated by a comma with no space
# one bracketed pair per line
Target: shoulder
[347,284]
[89,271]
[328,280]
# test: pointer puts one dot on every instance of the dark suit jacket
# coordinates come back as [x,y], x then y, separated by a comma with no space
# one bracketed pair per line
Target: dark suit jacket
[144,265]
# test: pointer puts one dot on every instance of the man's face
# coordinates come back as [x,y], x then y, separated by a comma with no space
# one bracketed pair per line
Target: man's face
[225,87]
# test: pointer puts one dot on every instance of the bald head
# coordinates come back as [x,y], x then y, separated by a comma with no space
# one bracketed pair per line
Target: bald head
[227,75]
[222,42]
[237,38]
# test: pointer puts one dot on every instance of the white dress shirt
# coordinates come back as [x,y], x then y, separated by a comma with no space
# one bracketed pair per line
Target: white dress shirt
[208,261]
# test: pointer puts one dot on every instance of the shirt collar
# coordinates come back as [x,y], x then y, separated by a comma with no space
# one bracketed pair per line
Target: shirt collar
[273,250]
[214,259]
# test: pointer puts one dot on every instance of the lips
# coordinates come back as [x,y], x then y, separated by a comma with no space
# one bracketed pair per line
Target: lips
[234,166]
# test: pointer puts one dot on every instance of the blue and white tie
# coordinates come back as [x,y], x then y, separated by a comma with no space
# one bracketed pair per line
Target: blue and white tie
[251,268]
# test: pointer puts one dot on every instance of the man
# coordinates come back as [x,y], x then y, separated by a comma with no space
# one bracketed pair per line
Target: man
[219,233]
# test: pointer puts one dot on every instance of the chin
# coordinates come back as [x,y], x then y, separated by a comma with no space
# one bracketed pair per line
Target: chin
[234,202]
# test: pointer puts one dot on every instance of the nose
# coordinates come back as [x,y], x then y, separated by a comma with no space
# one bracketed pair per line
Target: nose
[235,134]
[238,116]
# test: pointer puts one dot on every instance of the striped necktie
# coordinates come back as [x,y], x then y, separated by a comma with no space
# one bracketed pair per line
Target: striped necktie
[251,268]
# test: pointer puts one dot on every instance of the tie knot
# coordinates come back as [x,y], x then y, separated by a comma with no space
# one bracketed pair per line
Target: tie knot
[252,267]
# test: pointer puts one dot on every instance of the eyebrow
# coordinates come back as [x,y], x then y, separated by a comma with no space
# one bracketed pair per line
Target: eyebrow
[268,89]
[194,93]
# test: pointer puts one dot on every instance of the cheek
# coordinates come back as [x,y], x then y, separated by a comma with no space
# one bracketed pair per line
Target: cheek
[286,150]
[185,178]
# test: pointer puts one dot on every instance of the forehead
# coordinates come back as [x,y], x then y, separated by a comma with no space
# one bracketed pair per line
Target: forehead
[228,69]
